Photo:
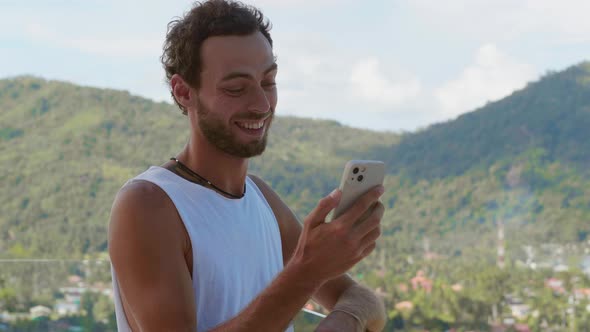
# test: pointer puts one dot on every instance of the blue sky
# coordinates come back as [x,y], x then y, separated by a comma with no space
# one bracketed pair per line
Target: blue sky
[387,65]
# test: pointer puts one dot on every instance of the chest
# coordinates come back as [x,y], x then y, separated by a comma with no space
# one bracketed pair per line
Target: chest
[229,241]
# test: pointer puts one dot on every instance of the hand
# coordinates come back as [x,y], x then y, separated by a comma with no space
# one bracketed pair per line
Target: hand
[339,321]
[327,250]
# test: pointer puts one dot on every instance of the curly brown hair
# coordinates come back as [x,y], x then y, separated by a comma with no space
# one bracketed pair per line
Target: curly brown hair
[185,36]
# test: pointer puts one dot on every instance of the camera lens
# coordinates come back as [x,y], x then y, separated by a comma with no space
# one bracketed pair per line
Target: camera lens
[360,178]
[355,170]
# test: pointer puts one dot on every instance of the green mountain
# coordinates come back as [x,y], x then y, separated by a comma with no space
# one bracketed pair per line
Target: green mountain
[520,163]
[65,150]
[552,114]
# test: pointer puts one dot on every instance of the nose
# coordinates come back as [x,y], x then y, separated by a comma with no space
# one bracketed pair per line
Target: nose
[260,101]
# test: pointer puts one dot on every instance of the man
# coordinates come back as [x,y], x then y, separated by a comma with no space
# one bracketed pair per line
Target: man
[197,244]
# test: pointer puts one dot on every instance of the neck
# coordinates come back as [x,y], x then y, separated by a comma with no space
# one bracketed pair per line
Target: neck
[221,169]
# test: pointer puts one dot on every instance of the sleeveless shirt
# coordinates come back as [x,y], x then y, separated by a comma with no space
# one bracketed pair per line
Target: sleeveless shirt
[236,247]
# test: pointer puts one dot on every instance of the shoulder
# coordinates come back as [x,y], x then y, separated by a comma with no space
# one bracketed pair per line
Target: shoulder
[141,198]
[142,211]
[147,246]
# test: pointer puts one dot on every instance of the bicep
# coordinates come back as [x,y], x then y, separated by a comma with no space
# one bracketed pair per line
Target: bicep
[148,258]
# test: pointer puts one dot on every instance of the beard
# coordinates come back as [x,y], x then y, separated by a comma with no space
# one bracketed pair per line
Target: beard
[219,134]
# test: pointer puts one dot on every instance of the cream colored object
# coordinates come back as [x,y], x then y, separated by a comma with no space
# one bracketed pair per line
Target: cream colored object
[368,174]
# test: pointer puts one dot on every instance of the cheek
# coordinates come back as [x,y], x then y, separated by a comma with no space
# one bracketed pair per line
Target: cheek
[228,107]
[273,98]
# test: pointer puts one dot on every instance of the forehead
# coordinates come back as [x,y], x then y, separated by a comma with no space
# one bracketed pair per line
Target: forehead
[250,54]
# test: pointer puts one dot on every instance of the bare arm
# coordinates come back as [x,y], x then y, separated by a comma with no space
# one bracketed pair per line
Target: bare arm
[147,244]
[322,253]
[147,247]
[342,292]
[361,302]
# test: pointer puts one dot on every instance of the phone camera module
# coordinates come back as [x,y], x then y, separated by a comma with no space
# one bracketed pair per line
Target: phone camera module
[360,178]
[355,170]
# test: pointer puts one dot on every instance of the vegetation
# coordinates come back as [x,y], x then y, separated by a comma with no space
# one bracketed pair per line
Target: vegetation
[552,114]
[519,164]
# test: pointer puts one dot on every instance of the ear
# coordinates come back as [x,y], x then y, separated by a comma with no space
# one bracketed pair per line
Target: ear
[182,91]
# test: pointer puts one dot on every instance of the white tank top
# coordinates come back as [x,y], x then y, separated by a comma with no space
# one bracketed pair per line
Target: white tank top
[236,245]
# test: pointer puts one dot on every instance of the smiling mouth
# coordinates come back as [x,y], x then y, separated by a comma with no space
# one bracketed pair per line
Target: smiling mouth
[251,125]
[254,126]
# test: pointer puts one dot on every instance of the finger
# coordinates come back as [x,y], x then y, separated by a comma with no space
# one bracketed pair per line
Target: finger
[362,204]
[372,221]
[367,213]
[325,205]
[368,250]
[371,237]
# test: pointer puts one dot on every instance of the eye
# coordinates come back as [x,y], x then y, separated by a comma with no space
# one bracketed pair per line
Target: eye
[234,91]
[269,84]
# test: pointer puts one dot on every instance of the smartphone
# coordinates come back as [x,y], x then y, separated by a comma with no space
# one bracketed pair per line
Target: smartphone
[359,176]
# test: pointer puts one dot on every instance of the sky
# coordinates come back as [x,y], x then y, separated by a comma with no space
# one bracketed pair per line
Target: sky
[391,65]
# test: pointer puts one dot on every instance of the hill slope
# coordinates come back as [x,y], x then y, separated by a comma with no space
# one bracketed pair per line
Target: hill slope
[552,114]
[520,162]
[65,150]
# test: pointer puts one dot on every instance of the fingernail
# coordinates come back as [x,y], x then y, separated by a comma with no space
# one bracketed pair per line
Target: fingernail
[381,190]
[334,194]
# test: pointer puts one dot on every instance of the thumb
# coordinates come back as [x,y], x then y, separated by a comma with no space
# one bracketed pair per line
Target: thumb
[325,205]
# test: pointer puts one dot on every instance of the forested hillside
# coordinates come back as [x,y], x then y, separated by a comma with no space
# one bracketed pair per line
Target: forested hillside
[66,150]
[520,164]
[552,114]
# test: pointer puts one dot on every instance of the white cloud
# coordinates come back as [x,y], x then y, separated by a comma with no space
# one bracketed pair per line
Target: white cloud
[323,72]
[310,84]
[369,82]
[493,76]
[564,20]
[309,65]
[294,3]
[568,17]
[115,46]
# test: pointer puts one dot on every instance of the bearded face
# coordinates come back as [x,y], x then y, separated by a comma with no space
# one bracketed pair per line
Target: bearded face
[225,136]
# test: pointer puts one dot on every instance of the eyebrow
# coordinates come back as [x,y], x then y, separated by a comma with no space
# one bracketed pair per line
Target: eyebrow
[237,74]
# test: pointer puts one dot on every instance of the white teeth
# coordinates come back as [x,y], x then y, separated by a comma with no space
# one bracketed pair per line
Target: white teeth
[251,125]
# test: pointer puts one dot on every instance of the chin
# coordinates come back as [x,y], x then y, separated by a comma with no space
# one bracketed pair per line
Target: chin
[250,151]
